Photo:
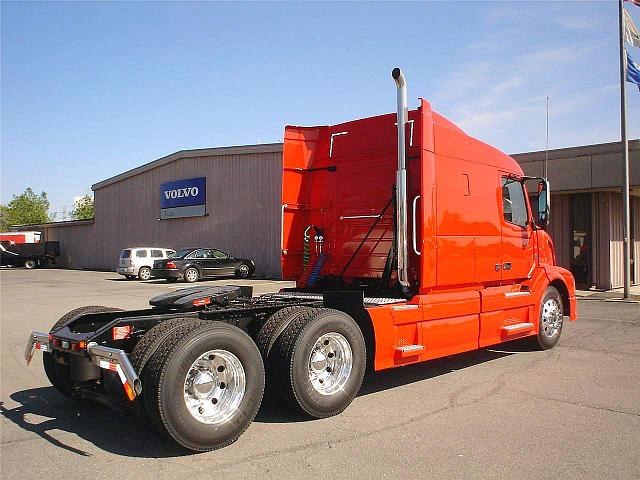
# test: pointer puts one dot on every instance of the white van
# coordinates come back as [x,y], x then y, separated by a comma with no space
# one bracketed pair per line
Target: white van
[137,261]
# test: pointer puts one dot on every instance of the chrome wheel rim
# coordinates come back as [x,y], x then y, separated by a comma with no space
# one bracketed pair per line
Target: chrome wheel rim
[244,270]
[551,321]
[330,363]
[191,274]
[145,274]
[214,387]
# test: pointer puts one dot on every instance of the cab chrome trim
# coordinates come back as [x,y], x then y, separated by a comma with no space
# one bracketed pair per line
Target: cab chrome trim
[516,294]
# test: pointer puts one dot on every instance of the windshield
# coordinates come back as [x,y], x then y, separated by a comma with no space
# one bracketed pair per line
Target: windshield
[181,253]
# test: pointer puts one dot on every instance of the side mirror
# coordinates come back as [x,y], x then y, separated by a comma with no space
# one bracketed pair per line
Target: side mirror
[544,201]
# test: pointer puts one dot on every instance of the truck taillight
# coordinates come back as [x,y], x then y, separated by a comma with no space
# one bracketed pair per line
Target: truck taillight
[76,347]
[171,265]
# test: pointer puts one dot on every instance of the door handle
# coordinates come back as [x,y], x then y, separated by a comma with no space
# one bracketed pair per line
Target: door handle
[506,266]
[415,237]
[498,267]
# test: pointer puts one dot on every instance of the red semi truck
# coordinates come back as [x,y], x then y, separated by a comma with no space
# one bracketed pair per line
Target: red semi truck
[408,240]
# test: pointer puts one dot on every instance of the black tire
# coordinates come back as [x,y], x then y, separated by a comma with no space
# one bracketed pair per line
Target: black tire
[165,376]
[290,362]
[30,264]
[269,333]
[172,280]
[243,271]
[549,328]
[190,277]
[59,374]
[148,345]
[144,273]
[275,325]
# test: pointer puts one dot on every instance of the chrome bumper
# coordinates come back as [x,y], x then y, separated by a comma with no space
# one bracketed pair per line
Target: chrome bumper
[106,358]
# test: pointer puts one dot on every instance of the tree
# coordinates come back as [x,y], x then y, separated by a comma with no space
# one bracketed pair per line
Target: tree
[83,209]
[24,209]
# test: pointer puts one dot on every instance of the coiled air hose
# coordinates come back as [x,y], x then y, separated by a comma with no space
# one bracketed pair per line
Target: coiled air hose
[306,249]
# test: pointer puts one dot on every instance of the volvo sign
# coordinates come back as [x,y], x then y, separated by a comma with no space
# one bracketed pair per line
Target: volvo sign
[183,198]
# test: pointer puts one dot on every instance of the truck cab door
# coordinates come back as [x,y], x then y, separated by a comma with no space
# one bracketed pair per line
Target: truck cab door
[517,232]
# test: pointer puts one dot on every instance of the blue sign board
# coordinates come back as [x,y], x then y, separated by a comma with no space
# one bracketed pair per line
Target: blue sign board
[183,198]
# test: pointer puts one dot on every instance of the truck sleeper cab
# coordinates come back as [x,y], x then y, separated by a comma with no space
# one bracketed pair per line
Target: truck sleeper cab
[408,240]
[478,264]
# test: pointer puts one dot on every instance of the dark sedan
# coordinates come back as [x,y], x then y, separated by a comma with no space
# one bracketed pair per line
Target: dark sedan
[192,264]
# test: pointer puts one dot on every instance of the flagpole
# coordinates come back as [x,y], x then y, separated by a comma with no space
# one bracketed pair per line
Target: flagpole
[625,159]
[545,173]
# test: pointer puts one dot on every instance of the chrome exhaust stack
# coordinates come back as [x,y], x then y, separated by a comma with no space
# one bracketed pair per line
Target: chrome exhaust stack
[401,181]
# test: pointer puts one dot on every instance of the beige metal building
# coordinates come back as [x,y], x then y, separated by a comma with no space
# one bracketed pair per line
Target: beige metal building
[242,205]
[243,211]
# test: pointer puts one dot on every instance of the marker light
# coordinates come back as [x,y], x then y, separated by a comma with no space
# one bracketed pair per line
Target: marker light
[121,332]
[201,302]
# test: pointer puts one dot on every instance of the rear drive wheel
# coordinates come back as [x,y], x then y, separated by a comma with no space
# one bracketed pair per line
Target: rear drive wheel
[57,369]
[30,264]
[269,333]
[319,362]
[550,320]
[276,324]
[191,275]
[144,273]
[147,347]
[204,386]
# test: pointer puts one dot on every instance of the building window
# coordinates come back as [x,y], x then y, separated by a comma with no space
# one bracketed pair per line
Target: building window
[514,206]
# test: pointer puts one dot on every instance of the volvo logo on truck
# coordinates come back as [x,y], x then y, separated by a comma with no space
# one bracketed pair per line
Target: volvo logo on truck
[183,198]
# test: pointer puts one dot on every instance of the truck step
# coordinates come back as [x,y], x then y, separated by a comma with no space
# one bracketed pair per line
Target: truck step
[410,350]
[517,328]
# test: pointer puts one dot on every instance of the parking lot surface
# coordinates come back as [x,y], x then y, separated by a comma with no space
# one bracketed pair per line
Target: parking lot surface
[503,412]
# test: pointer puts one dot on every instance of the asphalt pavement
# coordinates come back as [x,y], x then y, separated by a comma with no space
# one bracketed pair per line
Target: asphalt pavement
[502,412]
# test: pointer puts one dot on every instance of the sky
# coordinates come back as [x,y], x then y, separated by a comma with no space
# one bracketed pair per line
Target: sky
[90,90]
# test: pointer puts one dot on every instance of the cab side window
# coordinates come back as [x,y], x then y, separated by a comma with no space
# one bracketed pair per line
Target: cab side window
[141,253]
[514,206]
[156,253]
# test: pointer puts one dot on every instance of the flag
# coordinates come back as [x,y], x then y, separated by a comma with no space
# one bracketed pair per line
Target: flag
[631,34]
[633,71]
[635,2]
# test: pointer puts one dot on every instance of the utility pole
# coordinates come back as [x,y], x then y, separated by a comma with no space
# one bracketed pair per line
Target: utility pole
[625,159]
